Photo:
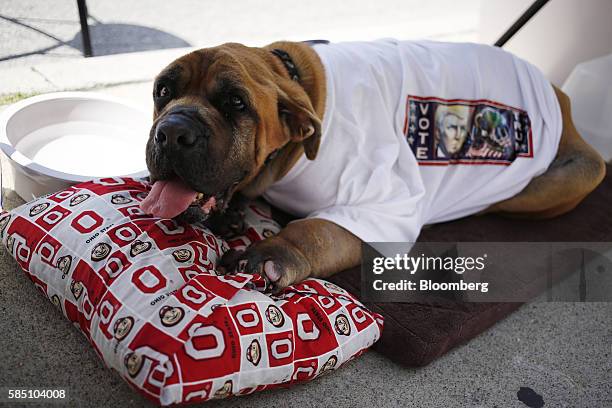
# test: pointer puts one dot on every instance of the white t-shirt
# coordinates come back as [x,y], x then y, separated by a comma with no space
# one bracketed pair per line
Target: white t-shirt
[421,132]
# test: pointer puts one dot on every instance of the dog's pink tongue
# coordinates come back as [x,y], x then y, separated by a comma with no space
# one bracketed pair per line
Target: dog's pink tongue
[168,198]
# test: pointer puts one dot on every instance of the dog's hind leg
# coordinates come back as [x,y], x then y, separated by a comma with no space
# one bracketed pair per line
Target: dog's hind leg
[574,173]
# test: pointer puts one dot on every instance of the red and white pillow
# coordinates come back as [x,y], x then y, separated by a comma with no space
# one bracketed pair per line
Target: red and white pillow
[144,292]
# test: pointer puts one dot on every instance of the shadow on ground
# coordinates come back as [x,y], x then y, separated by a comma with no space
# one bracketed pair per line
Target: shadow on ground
[106,39]
[110,39]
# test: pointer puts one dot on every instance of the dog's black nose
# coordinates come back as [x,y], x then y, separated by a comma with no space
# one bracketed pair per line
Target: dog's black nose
[175,132]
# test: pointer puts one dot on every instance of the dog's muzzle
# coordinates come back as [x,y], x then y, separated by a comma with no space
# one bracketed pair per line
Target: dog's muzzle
[180,130]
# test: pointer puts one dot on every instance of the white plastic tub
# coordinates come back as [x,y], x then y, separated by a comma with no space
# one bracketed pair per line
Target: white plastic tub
[59,139]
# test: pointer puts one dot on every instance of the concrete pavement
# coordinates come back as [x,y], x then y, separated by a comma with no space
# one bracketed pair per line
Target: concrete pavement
[34,32]
[87,73]
[40,46]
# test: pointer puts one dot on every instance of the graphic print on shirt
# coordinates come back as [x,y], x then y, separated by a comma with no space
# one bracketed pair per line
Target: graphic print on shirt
[453,131]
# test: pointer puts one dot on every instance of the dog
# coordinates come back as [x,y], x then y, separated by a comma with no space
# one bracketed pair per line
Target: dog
[346,137]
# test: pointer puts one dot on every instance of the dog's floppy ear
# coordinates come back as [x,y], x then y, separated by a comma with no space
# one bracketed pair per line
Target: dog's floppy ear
[299,117]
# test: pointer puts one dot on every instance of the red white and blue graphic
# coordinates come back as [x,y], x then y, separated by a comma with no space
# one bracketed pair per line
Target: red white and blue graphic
[456,131]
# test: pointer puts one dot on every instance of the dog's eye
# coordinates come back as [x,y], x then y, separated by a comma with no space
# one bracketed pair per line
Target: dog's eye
[162,91]
[236,102]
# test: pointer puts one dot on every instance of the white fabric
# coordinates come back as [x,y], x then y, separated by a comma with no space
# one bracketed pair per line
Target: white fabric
[366,177]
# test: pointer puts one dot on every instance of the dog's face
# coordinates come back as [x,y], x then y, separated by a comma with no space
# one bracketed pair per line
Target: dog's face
[219,113]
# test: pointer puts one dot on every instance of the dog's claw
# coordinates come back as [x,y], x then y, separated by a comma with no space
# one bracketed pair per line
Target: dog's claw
[271,271]
[280,265]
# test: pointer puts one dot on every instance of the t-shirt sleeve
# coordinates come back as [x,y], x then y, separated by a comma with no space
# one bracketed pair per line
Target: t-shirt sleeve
[381,197]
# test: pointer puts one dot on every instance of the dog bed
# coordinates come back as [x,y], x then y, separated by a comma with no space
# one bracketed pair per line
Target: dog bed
[144,292]
[417,333]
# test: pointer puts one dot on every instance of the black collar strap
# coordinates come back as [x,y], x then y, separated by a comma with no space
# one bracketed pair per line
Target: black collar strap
[285,58]
[288,63]
[315,42]
[294,74]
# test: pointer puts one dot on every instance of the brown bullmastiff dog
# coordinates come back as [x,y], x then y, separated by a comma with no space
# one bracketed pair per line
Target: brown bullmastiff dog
[230,121]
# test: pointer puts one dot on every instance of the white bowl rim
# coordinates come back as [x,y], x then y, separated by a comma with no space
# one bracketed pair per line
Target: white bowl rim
[16,156]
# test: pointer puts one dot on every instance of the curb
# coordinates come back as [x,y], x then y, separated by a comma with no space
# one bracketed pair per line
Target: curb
[87,73]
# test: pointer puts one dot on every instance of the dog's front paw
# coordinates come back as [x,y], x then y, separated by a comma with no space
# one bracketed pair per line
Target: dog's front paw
[276,260]
[227,224]
[230,223]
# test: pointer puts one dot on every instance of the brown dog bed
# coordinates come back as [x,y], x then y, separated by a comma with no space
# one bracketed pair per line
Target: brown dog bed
[415,334]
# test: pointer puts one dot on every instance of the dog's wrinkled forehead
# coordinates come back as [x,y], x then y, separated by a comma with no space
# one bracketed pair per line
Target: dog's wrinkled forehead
[208,72]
